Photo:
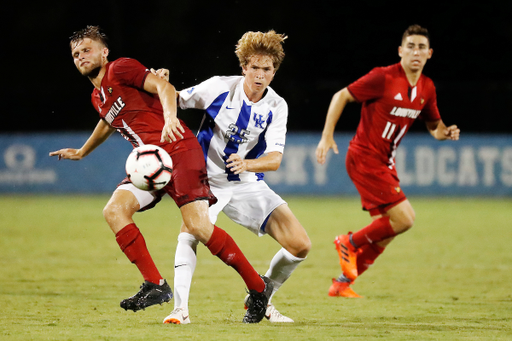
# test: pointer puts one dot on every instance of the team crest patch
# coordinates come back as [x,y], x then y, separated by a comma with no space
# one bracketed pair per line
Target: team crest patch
[397,189]
[110,90]
[422,100]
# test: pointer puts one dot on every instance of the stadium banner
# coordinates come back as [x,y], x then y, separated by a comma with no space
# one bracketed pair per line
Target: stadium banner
[474,165]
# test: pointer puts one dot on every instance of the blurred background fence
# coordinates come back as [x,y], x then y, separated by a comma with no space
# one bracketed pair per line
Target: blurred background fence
[477,165]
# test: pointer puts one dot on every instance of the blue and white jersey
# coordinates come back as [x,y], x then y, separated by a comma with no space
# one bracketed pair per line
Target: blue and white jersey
[233,124]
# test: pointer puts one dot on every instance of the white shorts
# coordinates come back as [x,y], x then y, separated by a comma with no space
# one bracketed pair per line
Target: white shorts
[248,204]
[144,198]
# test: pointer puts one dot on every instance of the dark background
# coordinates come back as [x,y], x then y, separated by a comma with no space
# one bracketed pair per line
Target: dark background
[330,44]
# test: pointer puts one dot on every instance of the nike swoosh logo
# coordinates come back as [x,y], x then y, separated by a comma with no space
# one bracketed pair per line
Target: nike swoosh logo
[229,108]
[177,266]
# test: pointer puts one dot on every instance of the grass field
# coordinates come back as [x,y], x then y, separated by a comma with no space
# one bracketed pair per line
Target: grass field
[62,275]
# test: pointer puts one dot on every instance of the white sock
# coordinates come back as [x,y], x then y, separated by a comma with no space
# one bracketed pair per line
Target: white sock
[185,261]
[281,268]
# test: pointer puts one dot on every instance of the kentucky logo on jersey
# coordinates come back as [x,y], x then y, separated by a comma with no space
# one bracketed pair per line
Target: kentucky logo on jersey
[258,120]
[116,107]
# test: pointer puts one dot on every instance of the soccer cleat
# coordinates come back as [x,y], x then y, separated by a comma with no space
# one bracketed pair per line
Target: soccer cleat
[256,302]
[341,289]
[149,294]
[348,256]
[178,316]
[275,316]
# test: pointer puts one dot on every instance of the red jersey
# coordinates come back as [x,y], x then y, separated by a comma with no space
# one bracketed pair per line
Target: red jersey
[389,107]
[137,114]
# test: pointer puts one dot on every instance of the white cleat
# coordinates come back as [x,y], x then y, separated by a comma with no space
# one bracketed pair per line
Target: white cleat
[275,316]
[178,316]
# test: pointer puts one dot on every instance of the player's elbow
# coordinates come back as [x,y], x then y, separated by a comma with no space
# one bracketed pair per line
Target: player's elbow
[274,166]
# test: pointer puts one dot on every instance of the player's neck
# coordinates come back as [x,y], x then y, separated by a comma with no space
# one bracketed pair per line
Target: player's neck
[96,80]
[412,75]
[254,97]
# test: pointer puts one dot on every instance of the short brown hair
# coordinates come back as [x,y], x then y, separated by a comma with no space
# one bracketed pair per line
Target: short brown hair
[416,30]
[253,43]
[91,32]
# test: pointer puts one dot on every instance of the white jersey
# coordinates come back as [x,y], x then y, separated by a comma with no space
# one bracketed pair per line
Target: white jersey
[234,124]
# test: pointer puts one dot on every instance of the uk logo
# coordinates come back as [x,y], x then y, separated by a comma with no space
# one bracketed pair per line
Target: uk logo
[258,120]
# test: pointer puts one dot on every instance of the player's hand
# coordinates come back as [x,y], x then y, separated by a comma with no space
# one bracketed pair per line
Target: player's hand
[161,73]
[68,153]
[172,130]
[236,164]
[323,148]
[452,133]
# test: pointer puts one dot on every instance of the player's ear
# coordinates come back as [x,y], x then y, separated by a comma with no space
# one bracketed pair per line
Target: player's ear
[105,52]
[400,51]
[430,53]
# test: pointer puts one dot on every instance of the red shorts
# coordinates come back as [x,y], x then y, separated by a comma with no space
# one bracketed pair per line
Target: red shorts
[377,184]
[189,180]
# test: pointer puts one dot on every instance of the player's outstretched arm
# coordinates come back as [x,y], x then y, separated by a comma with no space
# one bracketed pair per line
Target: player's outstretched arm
[100,134]
[441,132]
[338,103]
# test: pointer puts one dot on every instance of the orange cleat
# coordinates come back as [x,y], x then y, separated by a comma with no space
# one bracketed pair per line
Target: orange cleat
[341,289]
[348,256]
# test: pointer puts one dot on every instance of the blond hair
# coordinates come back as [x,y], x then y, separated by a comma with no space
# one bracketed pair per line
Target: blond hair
[254,43]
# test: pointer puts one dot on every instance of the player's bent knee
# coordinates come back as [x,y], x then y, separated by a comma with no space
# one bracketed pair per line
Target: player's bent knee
[114,212]
[300,247]
[403,225]
[306,247]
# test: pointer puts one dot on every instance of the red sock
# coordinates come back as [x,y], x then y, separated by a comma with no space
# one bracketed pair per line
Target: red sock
[223,246]
[378,230]
[133,245]
[366,256]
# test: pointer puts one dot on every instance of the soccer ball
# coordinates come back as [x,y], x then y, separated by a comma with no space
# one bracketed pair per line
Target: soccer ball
[149,167]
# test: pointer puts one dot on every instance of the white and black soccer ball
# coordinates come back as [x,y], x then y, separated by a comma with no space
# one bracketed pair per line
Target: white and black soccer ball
[149,167]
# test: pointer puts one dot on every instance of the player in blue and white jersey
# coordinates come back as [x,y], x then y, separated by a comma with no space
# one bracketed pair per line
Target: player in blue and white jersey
[243,135]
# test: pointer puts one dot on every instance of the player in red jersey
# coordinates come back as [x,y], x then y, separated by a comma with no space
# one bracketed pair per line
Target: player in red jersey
[392,98]
[138,104]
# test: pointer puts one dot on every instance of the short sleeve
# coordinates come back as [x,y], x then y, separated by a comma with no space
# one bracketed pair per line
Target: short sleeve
[202,95]
[276,133]
[129,72]
[430,111]
[368,87]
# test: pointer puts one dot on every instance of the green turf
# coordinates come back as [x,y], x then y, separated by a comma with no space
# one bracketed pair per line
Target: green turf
[62,275]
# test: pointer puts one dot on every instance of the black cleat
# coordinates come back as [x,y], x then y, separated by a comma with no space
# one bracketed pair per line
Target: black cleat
[256,302]
[149,294]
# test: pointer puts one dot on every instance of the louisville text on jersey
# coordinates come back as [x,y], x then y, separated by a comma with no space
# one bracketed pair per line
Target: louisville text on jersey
[404,112]
[116,107]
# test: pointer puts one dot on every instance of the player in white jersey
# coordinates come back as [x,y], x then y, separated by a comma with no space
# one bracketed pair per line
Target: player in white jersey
[243,135]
